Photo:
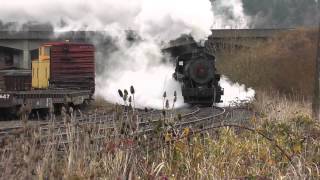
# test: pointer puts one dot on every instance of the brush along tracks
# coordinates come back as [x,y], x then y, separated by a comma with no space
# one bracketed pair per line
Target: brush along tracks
[49,123]
[108,127]
[111,126]
[200,116]
[60,122]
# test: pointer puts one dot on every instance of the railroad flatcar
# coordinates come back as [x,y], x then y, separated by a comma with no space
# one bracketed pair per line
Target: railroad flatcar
[63,74]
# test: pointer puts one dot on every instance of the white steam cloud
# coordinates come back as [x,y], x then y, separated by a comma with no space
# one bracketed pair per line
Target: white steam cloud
[144,69]
[229,14]
[235,93]
[165,19]
[140,64]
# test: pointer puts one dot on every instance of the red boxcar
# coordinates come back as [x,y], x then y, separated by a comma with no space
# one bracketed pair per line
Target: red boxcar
[18,81]
[71,79]
[72,66]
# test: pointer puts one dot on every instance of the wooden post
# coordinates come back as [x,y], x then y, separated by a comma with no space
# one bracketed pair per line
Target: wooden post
[316,98]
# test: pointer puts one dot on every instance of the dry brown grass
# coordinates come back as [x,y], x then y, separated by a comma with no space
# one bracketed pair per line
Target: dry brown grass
[276,107]
[285,63]
[221,153]
[101,105]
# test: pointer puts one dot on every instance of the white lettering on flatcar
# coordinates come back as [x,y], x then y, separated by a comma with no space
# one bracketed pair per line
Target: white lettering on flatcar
[4,96]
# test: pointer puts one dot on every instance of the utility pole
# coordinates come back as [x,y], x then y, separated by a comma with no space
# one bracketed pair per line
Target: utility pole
[316,98]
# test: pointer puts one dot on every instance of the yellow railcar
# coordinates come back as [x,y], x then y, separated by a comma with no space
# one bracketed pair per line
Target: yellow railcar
[41,69]
[40,74]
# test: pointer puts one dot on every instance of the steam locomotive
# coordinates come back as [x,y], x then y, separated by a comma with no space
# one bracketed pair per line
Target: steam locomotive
[195,69]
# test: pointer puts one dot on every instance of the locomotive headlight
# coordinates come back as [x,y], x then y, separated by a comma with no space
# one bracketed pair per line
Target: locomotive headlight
[201,71]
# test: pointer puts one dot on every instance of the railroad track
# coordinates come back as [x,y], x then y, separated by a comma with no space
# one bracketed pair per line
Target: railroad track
[195,115]
[57,124]
[195,118]
[79,120]
[194,112]
[108,122]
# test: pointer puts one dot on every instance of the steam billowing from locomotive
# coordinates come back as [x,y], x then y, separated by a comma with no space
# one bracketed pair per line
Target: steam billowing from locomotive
[124,63]
[149,18]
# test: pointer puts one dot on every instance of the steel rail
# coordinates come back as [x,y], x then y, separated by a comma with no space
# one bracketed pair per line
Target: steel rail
[86,120]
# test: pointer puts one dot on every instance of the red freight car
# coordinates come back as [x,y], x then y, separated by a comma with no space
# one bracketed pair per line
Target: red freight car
[64,74]
[72,65]
[18,81]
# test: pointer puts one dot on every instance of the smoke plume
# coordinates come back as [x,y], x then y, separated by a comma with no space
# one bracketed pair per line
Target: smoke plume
[229,15]
[164,19]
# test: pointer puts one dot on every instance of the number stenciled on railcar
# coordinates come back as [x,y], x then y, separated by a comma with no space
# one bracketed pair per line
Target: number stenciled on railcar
[4,96]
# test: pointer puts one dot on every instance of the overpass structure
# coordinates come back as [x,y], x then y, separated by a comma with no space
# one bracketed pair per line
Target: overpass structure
[238,38]
[18,48]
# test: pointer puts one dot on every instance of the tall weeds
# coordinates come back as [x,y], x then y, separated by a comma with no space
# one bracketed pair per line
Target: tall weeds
[285,63]
[94,151]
